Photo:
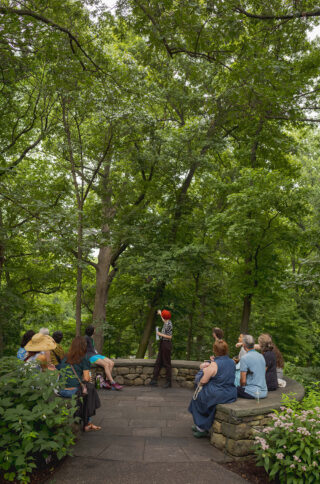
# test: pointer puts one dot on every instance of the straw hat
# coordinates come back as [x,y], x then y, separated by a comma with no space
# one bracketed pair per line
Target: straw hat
[41,342]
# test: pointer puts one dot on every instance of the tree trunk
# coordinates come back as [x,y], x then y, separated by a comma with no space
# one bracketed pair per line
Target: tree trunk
[2,249]
[190,336]
[149,326]
[100,301]
[246,310]
[150,348]
[79,277]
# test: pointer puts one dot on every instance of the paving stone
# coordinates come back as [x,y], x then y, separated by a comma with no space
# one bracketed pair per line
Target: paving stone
[147,432]
[143,423]
[124,449]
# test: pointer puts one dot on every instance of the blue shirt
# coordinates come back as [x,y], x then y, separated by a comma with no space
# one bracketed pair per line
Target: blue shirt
[21,353]
[253,363]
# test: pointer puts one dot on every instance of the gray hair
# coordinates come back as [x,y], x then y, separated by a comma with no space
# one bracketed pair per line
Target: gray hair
[248,341]
[44,331]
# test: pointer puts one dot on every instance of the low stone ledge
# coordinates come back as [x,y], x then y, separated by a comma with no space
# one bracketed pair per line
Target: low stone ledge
[139,372]
[237,423]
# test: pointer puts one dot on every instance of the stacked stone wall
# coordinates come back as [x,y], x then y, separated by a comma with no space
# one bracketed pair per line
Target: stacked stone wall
[130,373]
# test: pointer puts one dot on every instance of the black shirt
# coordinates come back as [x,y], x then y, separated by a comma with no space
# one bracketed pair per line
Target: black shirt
[91,351]
[271,374]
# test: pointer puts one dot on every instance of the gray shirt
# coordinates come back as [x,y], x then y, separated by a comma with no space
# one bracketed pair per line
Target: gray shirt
[166,329]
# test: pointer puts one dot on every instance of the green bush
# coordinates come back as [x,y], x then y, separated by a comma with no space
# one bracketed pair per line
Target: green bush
[34,422]
[289,447]
[307,376]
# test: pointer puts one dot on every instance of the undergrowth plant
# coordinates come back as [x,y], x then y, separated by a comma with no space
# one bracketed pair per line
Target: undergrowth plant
[34,423]
[290,447]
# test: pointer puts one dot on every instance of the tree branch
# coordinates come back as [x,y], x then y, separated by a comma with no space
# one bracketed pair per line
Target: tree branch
[312,13]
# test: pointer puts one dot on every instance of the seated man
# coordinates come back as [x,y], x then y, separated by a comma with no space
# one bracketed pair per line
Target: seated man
[252,372]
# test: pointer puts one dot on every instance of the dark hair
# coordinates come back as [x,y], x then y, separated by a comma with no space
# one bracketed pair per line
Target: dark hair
[57,336]
[220,348]
[89,330]
[26,337]
[218,332]
[77,350]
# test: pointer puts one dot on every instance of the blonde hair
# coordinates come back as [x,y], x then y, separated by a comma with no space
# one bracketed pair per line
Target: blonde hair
[265,342]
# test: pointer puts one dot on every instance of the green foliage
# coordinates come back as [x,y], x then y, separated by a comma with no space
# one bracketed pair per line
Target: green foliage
[289,447]
[34,423]
[307,376]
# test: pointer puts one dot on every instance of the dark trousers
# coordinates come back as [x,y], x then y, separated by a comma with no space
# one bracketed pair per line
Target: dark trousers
[163,360]
[243,394]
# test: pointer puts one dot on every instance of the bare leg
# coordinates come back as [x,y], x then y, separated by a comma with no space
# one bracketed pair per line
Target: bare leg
[107,365]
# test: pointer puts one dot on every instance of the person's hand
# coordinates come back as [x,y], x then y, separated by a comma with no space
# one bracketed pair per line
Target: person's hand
[158,333]
[238,345]
[212,358]
[159,312]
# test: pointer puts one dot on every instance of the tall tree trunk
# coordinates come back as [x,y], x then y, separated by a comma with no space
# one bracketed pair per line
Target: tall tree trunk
[2,251]
[149,326]
[191,316]
[246,310]
[79,276]
[100,301]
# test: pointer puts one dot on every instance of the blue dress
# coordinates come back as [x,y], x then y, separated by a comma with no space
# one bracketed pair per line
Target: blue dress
[219,389]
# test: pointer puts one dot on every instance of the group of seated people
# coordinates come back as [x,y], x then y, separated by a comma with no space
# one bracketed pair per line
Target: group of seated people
[45,352]
[260,366]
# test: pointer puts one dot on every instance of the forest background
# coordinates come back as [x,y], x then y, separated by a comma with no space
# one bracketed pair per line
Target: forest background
[160,154]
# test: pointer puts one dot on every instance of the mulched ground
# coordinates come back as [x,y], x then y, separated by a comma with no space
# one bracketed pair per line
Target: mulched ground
[248,470]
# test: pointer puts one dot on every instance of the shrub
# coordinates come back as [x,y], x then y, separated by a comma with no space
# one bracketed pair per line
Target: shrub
[34,423]
[306,376]
[289,447]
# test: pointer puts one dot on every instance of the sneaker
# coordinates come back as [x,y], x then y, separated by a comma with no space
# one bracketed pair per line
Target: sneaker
[167,385]
[153,383]
[194,428]
[116,386]
[106,385]
[198,435]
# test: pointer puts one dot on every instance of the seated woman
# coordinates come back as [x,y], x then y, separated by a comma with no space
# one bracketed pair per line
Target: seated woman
[22,352]
[217,386]
[77,368]
[266,347]
[100,360]
[37,348]
[57,354]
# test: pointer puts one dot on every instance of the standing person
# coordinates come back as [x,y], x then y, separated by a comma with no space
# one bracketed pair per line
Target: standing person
[216,386]
[252,372]
[266,347]
[164,354]
[58,353]
[100,360]
[22,353]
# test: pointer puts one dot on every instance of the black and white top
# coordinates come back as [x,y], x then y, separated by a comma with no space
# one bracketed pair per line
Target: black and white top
[166,329]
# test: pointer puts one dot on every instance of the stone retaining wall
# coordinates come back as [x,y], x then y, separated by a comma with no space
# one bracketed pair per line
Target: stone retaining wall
[236,424]
[139,372]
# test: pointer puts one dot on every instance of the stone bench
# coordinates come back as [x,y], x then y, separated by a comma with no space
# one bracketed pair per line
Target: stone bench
[236,424]
[139,372]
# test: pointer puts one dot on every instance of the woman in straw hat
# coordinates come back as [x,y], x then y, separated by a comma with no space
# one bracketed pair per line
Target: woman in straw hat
[36,349]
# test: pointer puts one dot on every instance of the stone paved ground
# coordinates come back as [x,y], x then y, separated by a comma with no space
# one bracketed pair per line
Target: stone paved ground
[146,437]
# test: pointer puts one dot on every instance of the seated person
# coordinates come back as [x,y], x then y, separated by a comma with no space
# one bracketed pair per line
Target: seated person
[37,349]
[22,353]
[57,354]
[252,372]
[216,386]
[77,368]
[266,347]
[100,360]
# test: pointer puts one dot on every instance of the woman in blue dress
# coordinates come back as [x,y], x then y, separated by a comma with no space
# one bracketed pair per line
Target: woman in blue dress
[217,386]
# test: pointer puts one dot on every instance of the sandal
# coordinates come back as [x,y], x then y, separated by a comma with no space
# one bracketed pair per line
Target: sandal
[91,428]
